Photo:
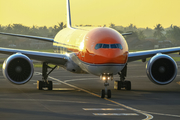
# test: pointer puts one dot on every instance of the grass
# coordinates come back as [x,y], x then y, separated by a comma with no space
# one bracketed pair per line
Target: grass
[176,58]
[36,65]
[3,59]
[151,49]
[48,50]
[135,50]
[40,50]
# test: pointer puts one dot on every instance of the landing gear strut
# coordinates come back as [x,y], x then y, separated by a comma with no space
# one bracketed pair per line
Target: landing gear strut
[122,83]
[106,84]
[45,83]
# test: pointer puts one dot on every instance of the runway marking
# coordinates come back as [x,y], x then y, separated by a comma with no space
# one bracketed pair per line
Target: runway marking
[117,114]
[36,73]
[103,109]
[148,116]
[63,89]
[162,114]
[79,76]
[53,83]
[109,114]
[79,79]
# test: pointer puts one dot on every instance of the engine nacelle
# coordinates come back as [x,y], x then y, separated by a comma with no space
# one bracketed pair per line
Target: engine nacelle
[18,68]
[161,69]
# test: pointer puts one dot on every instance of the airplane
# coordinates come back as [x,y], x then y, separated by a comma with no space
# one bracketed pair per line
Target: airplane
[100,51]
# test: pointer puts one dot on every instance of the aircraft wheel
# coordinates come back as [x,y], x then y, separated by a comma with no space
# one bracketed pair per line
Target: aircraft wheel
[39,85]
[50,85]
[128,85]
[120,84]
[102,93]
[109,94]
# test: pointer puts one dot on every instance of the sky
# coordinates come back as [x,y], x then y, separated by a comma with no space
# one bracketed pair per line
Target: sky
[142,13]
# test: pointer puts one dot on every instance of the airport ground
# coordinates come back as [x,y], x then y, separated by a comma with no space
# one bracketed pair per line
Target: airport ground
[76,97]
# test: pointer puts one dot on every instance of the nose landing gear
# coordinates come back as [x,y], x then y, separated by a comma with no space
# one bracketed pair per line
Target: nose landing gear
[106,91]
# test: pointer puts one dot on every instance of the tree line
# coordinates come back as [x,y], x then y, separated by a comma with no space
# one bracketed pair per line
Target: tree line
[159,33]
[34,30]
[171,33]
[44,31]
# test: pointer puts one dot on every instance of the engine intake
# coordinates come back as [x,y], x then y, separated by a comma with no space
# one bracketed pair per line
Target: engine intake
[161,69]
[18,69]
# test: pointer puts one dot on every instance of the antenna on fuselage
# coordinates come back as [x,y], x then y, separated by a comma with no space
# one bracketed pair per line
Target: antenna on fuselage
[68,14]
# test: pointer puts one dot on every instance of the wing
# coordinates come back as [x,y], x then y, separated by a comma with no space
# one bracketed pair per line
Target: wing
[123,34]
[54,58]
[149,53]
[58,59]
[31,37]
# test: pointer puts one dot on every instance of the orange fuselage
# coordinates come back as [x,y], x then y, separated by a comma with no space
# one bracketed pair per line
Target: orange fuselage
[83,42]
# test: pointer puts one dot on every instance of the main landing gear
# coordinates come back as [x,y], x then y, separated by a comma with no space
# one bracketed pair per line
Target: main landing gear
[106,77]
[122,83]
[45,83]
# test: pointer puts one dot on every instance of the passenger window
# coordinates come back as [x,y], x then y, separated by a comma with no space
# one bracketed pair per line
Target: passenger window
[105,45]
[98,46]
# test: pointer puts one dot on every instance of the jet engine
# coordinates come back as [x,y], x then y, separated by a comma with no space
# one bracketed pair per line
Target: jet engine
[18,68]
[161,69]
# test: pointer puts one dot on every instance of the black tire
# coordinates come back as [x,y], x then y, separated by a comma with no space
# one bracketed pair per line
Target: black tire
[128,85]
[120,85]
[39,85]
[109,94]
[50,85]
[102,93]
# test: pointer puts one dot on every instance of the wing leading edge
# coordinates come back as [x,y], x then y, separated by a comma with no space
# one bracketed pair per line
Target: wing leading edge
[133,56]
[27,36]
[54,58]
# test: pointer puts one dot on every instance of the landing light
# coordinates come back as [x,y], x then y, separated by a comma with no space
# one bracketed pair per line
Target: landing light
[104,78]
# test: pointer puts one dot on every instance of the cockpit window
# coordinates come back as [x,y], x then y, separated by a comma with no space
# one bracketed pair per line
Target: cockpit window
[108,46]
[98,46]
[114,46]
[105,45]
[119,46]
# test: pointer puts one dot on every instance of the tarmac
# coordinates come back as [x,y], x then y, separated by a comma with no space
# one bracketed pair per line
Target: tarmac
[77,97]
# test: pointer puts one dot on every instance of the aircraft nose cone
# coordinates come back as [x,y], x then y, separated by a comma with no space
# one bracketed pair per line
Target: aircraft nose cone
[114,56]
[104,46]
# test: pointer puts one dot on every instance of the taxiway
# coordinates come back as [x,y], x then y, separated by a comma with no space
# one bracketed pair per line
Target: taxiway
[76,97]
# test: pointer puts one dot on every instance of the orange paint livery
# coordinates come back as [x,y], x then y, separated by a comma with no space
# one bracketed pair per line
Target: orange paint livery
[103,55]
